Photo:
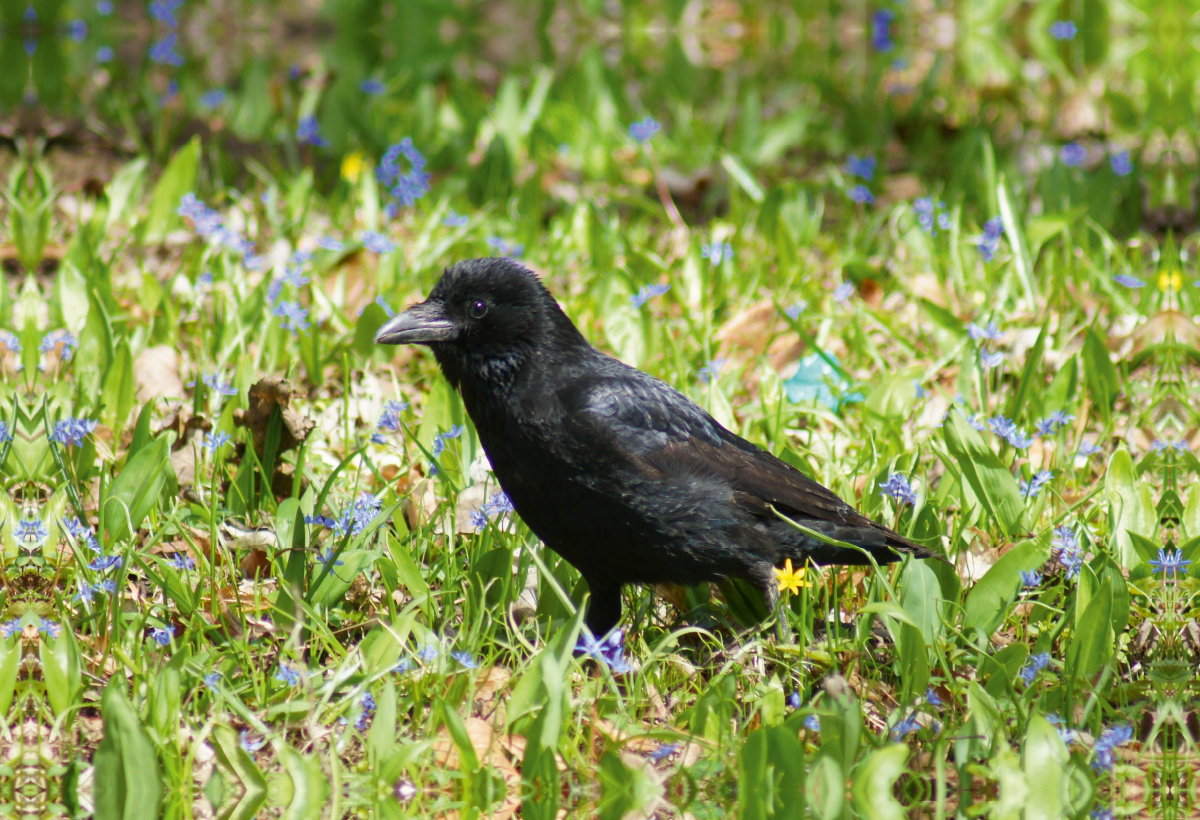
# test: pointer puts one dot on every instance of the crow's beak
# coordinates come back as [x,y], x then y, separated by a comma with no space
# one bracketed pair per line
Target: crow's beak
[421,325]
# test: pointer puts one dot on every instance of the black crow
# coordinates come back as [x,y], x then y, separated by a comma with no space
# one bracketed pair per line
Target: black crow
[619,473]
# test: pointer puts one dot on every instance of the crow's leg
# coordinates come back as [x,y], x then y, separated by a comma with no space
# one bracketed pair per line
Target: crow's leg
[763,576]
[605,609]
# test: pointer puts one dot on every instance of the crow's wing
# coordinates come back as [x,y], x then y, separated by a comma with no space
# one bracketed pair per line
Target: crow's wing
[638,422]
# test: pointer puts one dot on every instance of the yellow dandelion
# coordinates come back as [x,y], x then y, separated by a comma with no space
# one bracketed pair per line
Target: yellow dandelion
[353,164]
[791,579]
[1170,280]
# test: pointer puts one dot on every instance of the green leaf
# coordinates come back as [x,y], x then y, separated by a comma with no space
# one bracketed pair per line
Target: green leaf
[178,178]
[741,175]
[874,781]
[122,189]
[1041,229]
[127,776]
[381,738]
[335,583]
[1031,374]
[1092,645]
[119,387]
[825,789]
[990,598]
[368,324]
[1099,372]
[1016,238]
[1000,670]
[310,785]
[992,482]
[136,489]
[1045,757]
[1128,510]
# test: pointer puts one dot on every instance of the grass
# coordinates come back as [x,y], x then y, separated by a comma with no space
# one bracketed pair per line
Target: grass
[245,589]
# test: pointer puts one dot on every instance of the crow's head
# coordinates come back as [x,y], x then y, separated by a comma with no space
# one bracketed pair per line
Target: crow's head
[484,316]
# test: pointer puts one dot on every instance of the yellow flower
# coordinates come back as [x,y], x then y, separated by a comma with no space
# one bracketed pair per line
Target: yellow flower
[353,165]
[1170,280]
[791,579]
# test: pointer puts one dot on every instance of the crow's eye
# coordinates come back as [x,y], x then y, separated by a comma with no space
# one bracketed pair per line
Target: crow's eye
[478,310]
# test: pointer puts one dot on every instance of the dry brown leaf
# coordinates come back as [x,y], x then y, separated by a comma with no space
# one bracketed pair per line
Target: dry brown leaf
[156,372]
[265,395]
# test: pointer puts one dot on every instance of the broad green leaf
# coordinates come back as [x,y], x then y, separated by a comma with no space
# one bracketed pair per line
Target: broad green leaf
[1001,669]
[120,386]
[1015,233]
[825,788]
[177,179]
[874,781]
[1099,372]
[990,598]
[1044,756]
[136,489]
[1031,374]
[992,482]
[127,775]
[310,785]
[123,189]
[1128,509]
[741,175]
[1092,645]
[336,583]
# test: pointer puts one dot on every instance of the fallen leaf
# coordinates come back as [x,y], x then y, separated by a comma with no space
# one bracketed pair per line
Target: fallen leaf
[156,372]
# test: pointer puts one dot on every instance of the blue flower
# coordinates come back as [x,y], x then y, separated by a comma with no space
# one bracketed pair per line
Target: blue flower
[183,563]
[71,431]
[10,627]
[213,382]
[646,293]
[372,87]
[30,530]
[1030,488]
[212,98]
[428,652]
[499,504]
[881,30]
[897,487]
[862,195]
[1121,164]
[465,659]
[843,292]
[1088,449]
[327,556]
[4,434]
[294,276]
[990,358]
[1171,564]
[164,11]
[1109,739]
[104,7]
[163,636]
[793,311]
[1125,280]
[812,723]
[644,129]
[1159,445]
[664,751]
[105,563]
[214,441]
[502,246]
[454,220]
[51,628]
[479,519]
[376,242]
[1050,426]
[104,54]
[164,51]
[76,30]
[990,333]
[403,667]
[1035,664]
[609,650]
[709,372]
[85,593]
[793,700]
[860,167]
[295,317]
[1070,553]
[1001,426]
[107,585]
[931,697]
[308,132]
[992,229]
[1063,30]
[213,681]
[287,675]
[1030,578]
[9,342]
[407,188]
[905,727]
[329,243]
[249,743]
[716,252]
[60,342]
[1072,154]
